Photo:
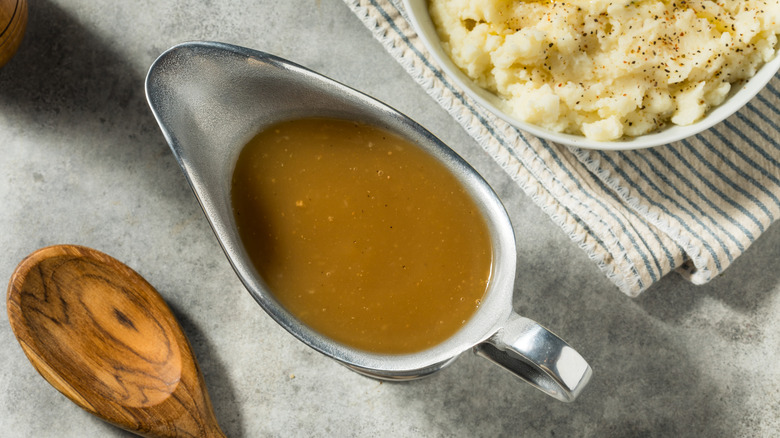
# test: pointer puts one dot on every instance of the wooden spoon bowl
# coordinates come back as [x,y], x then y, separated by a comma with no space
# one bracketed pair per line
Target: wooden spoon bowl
[103,336]
[13,23]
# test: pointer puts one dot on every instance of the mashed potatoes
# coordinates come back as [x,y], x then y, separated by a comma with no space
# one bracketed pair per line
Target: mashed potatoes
[607,69]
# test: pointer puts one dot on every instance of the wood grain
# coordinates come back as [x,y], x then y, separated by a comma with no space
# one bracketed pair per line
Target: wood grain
[103,336]
[13,23]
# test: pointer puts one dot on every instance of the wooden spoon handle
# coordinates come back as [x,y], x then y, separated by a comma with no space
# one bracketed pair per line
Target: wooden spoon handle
[103,336]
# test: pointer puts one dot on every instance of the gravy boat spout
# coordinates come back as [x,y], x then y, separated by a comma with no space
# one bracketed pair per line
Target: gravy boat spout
[211,98]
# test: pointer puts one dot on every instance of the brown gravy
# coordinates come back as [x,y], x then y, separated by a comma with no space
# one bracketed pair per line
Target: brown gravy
[361,235]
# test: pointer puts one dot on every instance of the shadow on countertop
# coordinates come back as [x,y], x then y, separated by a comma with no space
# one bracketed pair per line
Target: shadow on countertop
[62,68]
[65,77]
[655,369]
[744,286]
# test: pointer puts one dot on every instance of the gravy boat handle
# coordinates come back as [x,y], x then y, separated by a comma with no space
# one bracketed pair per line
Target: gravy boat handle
[538,356]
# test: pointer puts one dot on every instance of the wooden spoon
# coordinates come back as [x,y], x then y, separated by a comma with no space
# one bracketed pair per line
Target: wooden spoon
[103,336]
[13,23]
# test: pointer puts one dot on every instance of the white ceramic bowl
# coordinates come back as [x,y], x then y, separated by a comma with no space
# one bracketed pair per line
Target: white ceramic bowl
[417,11]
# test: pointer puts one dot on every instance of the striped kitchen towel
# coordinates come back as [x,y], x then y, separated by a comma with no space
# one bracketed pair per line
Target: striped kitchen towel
[692,206]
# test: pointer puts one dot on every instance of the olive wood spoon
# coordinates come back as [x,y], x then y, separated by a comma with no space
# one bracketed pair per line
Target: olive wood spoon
[13,23]
[104,337]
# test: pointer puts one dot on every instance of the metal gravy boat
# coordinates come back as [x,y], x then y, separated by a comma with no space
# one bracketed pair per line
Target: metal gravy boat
[211,98]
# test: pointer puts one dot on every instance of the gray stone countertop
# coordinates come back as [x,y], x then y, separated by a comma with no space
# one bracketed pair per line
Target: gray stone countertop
[82,161]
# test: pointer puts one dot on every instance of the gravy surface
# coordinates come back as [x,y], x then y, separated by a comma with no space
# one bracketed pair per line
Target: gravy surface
[361,235]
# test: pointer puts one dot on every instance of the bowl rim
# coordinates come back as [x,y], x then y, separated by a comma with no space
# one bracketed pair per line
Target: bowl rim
[739,95]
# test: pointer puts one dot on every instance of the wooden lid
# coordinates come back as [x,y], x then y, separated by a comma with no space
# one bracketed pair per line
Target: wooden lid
[13,22]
